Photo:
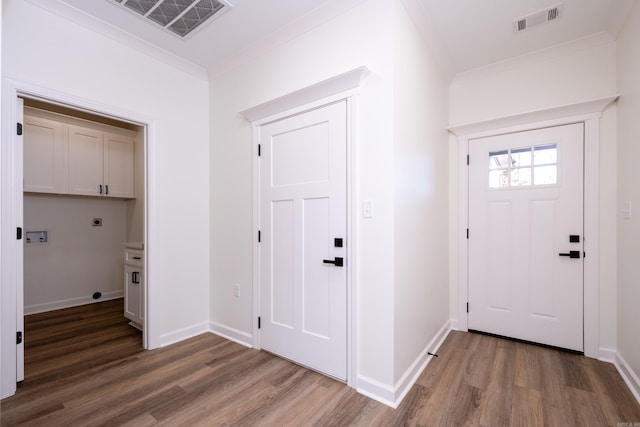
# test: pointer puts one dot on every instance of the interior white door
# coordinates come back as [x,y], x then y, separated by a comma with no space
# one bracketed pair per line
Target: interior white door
[303,287]
[20,249]
[526,235]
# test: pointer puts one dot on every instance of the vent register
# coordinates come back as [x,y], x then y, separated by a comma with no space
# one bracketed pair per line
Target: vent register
[542,17]
[180,17]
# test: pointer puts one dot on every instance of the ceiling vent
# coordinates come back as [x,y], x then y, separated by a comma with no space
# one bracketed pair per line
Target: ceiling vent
[180,17]
[542,17]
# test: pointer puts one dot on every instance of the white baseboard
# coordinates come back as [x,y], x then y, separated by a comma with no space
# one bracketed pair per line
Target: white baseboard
[628,375]
[607,355]
[231,334]
[183,334]
[454,324]
[71,302]
[392,396]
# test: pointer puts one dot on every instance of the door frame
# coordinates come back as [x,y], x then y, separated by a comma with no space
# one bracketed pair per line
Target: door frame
[11,178]
[588,113]
[344,87]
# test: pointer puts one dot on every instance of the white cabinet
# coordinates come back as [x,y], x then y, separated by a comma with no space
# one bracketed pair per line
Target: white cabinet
[100,164]
[134,287]
[45,170]
[69,156]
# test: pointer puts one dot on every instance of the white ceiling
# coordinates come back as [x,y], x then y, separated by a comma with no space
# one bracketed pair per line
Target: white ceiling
[472,33]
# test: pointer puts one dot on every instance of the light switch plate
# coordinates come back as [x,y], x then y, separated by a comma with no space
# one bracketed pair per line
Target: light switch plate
[367,209]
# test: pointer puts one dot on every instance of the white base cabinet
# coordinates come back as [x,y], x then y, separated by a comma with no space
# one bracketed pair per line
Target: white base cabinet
[134,287]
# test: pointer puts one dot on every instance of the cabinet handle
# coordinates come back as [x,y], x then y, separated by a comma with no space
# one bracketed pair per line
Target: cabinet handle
[135,277]
[100,188]
[136,257]
[106,189]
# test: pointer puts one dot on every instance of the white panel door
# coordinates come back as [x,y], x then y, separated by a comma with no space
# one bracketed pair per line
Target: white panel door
[525,204]
[302,211]
[86,161]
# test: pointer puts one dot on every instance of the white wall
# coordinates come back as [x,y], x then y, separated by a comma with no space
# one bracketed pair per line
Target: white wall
[361,36]
[570,73]
[42,49]
[629,190]
[420,202]
[565,74]
[78,259]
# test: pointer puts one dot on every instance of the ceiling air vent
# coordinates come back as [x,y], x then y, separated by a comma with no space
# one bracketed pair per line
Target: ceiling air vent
[180,17]
[538,18]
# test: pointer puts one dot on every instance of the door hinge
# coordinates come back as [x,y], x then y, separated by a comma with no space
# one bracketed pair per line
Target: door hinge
[467,160]
[259,150]
[19,337]
[19,129]
[467,307]
[258,322]
[19,233]
[467,233]
[259,236]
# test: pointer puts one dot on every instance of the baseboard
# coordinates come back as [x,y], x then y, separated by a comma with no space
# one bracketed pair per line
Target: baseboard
[454,324]
[392,396]
[627,374]
[376,390]
[183,334]
[71,302]
[231,334]
[607,355]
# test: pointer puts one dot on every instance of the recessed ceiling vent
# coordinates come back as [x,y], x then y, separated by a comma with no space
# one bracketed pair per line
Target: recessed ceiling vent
[180,17]
[542,17]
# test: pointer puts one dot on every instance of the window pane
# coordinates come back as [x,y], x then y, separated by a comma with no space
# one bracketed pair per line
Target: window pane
[498,159]
[520,177]
[498,179]
[545,154]
[545,175]
[521,157]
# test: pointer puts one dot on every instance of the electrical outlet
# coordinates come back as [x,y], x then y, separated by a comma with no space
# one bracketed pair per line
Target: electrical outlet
[97,222]
[236,290]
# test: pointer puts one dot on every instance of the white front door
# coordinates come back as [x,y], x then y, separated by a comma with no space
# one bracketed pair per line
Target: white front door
[526,235]
[303,284]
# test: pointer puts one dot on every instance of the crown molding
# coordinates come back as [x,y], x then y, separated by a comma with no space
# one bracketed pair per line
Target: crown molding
[70,13]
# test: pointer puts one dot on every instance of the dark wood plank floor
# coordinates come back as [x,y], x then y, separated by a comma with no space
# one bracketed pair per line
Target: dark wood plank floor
[85,367]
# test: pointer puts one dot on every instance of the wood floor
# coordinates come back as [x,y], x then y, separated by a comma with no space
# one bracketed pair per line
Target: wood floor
[85,367]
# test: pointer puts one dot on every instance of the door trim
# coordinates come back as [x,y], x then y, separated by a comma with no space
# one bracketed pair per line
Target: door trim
[587,113]
[12,89]
[343,87]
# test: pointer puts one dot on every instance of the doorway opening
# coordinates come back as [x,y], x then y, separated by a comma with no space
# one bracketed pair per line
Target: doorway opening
[83,213]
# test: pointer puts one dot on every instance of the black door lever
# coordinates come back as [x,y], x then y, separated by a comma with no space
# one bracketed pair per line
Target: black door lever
[572,254]
[338,262]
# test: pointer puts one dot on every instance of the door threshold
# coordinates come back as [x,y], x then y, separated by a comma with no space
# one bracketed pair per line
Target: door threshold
[552,347]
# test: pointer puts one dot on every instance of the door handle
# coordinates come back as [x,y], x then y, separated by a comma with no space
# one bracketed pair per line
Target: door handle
[338,262]
[572,254]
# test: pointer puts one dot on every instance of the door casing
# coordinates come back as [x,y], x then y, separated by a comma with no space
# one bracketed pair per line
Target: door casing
[10,217]
[588,113]
[345,86]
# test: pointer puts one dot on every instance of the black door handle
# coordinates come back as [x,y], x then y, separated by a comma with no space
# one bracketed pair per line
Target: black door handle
[572,254]
[338,262]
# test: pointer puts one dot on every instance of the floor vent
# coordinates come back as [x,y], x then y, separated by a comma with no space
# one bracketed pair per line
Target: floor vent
[538,18]
[180,17]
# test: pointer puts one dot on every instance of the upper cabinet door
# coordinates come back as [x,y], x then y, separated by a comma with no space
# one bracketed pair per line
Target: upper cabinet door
[118,166]
[86,161]
[44,153]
